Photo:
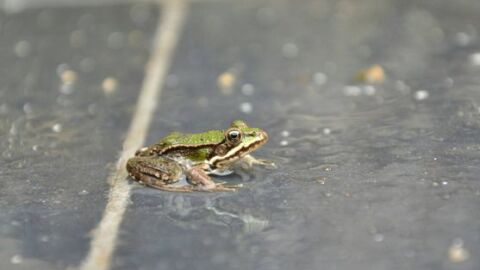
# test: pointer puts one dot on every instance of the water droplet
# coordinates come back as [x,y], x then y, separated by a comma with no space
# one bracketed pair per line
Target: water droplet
[22,49]
[319,78]
[266,16]
[116,40]
[87,65]
[35,148]
[78,38]
[246,107]
[27,108]
[16,259]
[475,59]
[462,39]
[421,95]
[285,133]
[290,50]
[83,192]
[444,183]
[44,238]
[13,129]
[3,108]
[62,68]
[378,237]
[57,128]
[283,142]
[369,90]
[327,131]
[402,87]
[140,13]
[352,90]
[248,89]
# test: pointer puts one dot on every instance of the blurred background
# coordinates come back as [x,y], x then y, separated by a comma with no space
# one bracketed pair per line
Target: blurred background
[372,108]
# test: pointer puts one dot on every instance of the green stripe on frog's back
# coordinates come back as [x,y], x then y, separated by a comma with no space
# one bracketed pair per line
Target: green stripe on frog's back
[185,141]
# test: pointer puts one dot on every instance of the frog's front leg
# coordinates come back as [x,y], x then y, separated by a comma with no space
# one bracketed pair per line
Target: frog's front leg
[249,161]
[198,177]
[157,172]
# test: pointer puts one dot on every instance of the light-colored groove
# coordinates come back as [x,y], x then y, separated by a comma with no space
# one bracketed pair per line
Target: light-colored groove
[104,237]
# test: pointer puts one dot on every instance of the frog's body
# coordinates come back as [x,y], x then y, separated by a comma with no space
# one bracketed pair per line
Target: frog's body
[195,155]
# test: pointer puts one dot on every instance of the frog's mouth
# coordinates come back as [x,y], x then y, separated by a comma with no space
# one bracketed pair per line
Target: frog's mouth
[241,150]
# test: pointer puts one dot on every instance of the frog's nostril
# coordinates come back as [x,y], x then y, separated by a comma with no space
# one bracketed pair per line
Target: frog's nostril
[263,135]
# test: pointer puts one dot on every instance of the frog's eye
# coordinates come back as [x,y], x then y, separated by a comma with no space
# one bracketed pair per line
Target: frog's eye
[234,135]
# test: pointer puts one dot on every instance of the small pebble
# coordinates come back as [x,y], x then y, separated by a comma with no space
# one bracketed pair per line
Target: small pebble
[372,74]
[457,252]
[421,95]
[109,85]
[283,142]
[246,107]
[327,131]
[68,76]
[225,82]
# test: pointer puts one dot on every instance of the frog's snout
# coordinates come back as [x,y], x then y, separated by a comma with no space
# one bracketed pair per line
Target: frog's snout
[263,136]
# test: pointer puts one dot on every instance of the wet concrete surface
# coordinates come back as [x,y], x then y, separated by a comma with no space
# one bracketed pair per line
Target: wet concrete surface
[62,121]
[371,176]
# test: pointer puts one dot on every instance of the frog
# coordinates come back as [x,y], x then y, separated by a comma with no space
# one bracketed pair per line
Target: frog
[196,156]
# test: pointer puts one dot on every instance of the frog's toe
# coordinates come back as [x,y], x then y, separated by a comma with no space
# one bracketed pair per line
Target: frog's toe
[267,163]
[222,187]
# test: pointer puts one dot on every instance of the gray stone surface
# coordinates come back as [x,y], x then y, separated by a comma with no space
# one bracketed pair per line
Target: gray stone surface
[380,176]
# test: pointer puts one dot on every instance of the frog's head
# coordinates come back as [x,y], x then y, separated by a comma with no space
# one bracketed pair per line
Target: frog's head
[240,140]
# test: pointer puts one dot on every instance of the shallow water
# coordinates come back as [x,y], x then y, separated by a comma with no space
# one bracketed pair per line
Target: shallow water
[370,176]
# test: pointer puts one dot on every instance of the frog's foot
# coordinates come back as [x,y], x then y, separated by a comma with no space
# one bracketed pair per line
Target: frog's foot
[198,177]
[168,187]
[222,187]
[249,161]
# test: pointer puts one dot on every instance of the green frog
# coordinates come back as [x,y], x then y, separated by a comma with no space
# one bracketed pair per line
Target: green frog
[196,156]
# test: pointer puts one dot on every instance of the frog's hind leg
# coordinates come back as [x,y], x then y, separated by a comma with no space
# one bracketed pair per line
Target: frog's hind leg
[157,172]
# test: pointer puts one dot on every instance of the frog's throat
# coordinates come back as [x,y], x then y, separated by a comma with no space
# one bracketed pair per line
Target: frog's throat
[236,152]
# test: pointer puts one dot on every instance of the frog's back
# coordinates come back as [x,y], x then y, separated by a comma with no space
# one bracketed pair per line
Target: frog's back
[191,139]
